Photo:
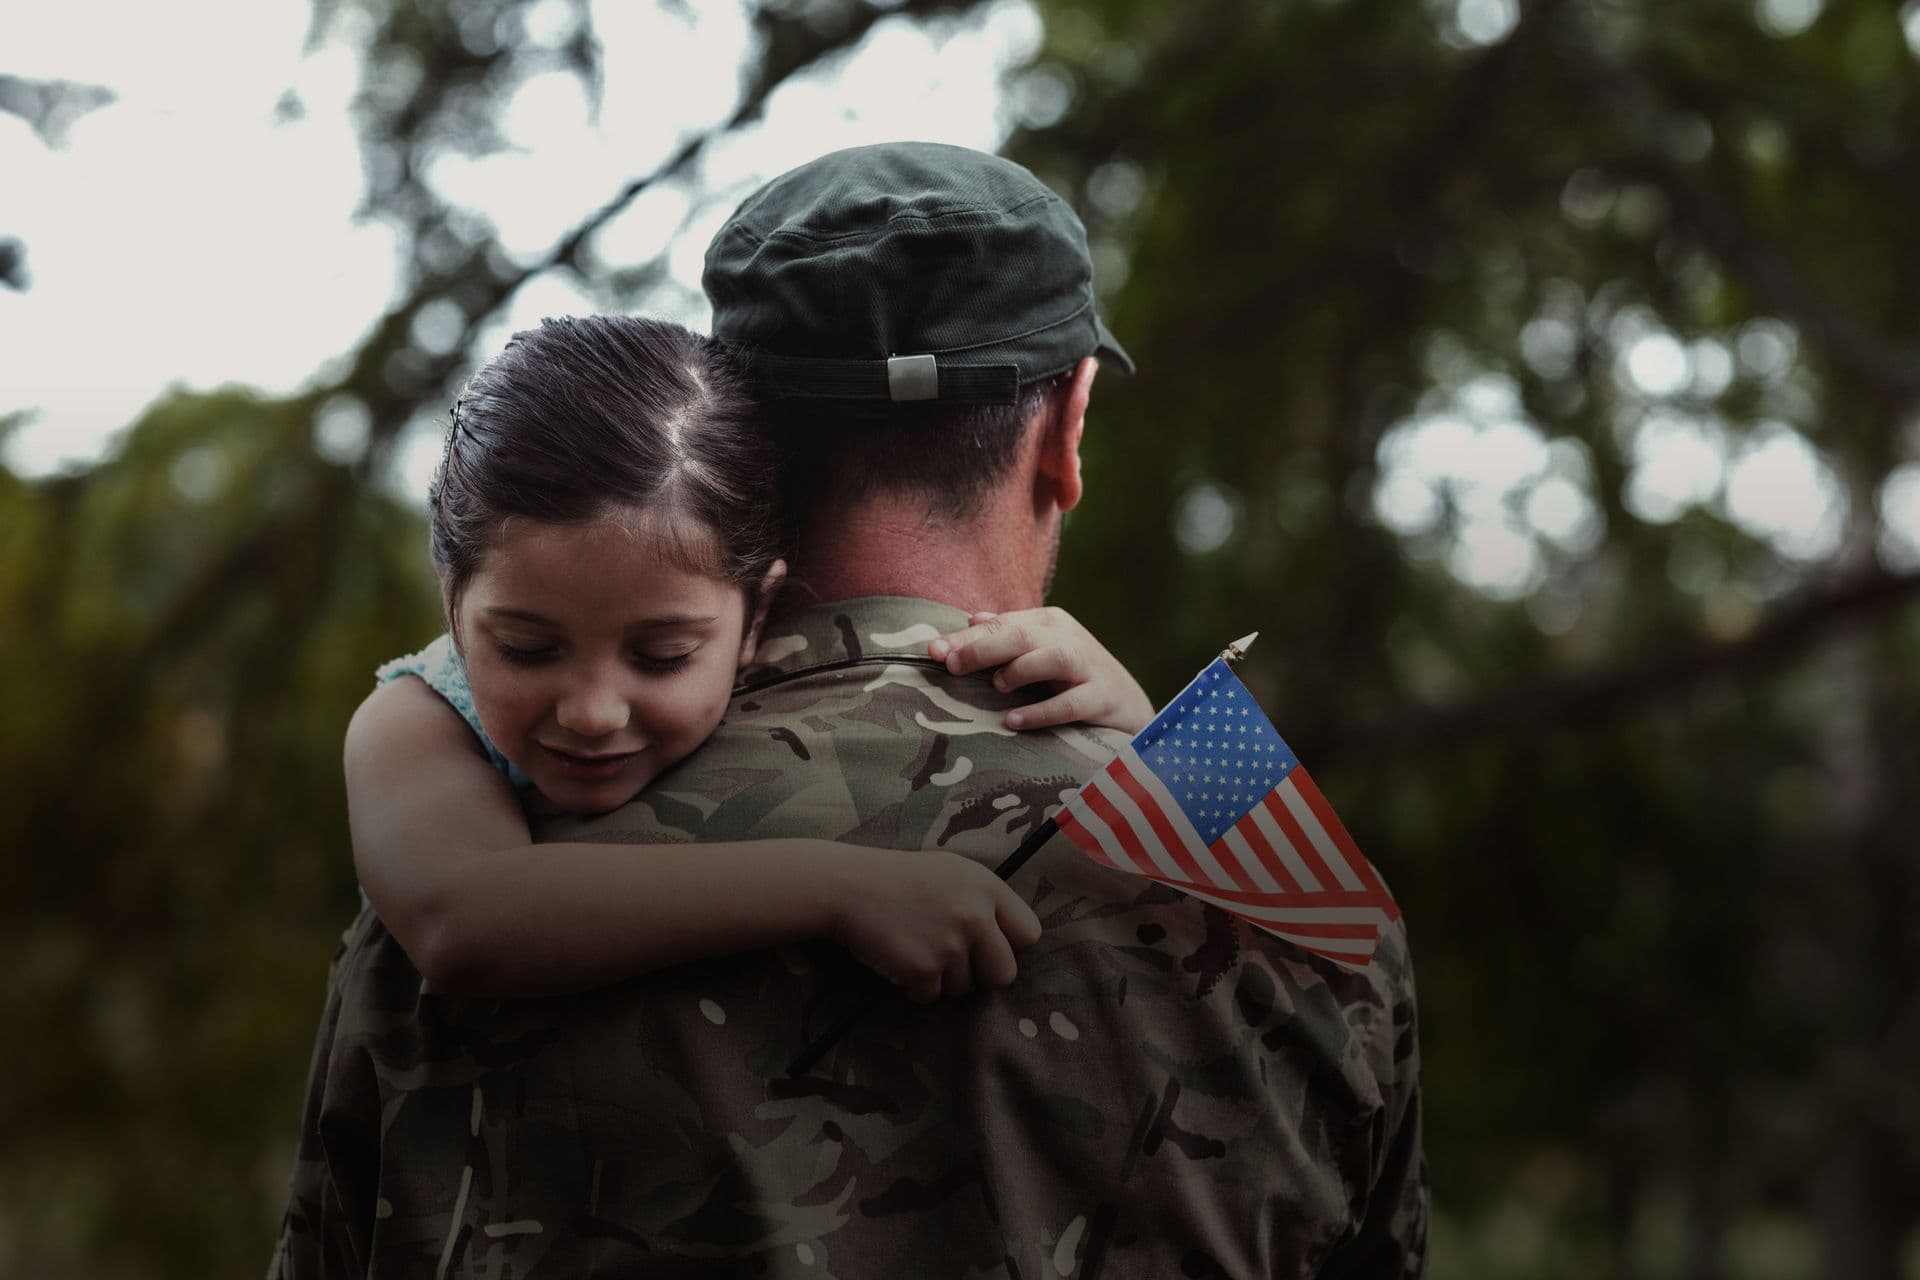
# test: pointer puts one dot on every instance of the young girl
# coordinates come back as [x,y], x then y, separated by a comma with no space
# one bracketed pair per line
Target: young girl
[606,551]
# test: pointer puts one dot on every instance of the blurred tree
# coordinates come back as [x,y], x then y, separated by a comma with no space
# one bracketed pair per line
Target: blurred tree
[1533,376]
[50,108]
[190,625]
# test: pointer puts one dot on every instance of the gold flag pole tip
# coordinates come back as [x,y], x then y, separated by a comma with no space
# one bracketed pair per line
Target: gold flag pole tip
[1238,649]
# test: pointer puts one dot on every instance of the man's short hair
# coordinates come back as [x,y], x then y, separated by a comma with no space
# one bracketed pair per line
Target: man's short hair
[902,310]
[948,456]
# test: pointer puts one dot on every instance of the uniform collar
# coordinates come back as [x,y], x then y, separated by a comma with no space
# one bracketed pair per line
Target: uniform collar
[843,633]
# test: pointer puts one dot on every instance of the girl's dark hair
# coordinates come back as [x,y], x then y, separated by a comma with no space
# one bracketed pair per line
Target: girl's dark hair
[583,415]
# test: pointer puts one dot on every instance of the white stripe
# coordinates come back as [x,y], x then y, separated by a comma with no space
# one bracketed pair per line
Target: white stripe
[1303,814]
[1108,842]
[1137,823]
[1176,817]
[1244,853]
[1296,914]
[1361,947]
[1296,866]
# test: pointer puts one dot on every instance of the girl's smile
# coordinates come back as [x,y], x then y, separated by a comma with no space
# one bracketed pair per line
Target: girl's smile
[597,659]
[591,767]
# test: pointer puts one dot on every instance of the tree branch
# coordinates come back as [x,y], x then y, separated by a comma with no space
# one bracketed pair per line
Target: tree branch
[51,107]
[1775,281]
[1542,705]
[791,45]
[314,513]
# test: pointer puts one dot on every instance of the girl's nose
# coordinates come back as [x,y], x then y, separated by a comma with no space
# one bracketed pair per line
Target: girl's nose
[593,709]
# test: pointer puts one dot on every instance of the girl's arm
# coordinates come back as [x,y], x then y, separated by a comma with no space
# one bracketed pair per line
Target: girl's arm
[443,851]
[1048,644]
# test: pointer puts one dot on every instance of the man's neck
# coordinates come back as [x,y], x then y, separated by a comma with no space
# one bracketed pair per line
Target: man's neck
[893,549]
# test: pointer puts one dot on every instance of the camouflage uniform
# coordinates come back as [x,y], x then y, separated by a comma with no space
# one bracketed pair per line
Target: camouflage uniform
[1163,1092]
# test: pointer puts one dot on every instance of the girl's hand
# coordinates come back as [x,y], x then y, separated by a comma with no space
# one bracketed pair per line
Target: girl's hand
[1049,645]
[932,923]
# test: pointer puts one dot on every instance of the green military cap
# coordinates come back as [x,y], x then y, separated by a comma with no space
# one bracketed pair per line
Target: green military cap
[907,271]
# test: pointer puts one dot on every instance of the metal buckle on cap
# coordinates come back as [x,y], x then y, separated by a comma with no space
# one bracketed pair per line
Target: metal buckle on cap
[913,378]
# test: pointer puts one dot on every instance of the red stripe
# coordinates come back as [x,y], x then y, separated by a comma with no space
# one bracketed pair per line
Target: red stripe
[1263,850]
[1085,839]
[1342,959]
[1289,827]
[1350,959]
[1335,828]
[1313,930]
[1169,838]
[1329,898]
[1096,800]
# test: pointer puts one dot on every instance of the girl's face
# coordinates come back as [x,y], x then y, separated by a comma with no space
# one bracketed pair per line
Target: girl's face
[595,662]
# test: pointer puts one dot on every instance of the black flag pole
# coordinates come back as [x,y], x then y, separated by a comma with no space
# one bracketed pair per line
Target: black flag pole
[844,1023]
[1014,861]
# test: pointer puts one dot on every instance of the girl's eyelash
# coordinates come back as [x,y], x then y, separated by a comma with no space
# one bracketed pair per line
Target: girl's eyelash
[524,657]
[533,657]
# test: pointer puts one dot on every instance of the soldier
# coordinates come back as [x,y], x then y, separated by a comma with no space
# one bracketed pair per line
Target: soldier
[1163,1091]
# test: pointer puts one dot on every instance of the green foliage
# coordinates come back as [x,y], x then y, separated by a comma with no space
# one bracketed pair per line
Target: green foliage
[1646,810]
[191,624]
[1648,806]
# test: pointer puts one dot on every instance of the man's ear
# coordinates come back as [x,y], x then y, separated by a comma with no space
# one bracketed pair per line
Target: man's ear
[769,586]
[1059,462]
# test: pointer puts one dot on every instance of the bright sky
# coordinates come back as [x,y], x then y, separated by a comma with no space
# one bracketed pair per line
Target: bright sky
[181,235]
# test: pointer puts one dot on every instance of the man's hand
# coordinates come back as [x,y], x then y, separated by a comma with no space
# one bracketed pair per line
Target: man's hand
[1048,645]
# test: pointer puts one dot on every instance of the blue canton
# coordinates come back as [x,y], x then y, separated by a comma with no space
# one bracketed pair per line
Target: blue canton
[1215,750]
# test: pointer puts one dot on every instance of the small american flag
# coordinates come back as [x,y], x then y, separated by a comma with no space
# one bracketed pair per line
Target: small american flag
[1209,799]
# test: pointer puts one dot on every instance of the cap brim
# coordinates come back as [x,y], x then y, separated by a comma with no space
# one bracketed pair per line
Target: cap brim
[1109,347]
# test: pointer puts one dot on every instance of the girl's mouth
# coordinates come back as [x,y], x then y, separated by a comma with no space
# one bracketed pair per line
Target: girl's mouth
[590,767]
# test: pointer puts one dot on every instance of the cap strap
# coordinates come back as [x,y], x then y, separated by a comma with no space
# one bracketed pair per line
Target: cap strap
[902,379]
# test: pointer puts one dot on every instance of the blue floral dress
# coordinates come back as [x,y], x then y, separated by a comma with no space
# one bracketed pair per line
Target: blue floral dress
[440,666]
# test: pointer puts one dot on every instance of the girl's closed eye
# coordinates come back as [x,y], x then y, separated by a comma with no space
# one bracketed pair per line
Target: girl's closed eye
[663,664]
[525,656]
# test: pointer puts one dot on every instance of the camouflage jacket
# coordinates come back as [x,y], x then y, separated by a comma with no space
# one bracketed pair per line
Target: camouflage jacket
[1162,1092]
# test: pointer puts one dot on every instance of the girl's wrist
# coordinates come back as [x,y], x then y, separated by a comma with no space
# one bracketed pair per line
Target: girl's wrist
[831,874]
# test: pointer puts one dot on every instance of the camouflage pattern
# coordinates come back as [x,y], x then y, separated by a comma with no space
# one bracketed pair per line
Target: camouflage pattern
[1163,1092]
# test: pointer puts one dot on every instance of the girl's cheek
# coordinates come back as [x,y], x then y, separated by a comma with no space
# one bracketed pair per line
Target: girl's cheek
[701,705]
[510,695]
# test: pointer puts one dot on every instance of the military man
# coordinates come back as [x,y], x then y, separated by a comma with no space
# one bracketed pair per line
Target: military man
[1161,1092]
